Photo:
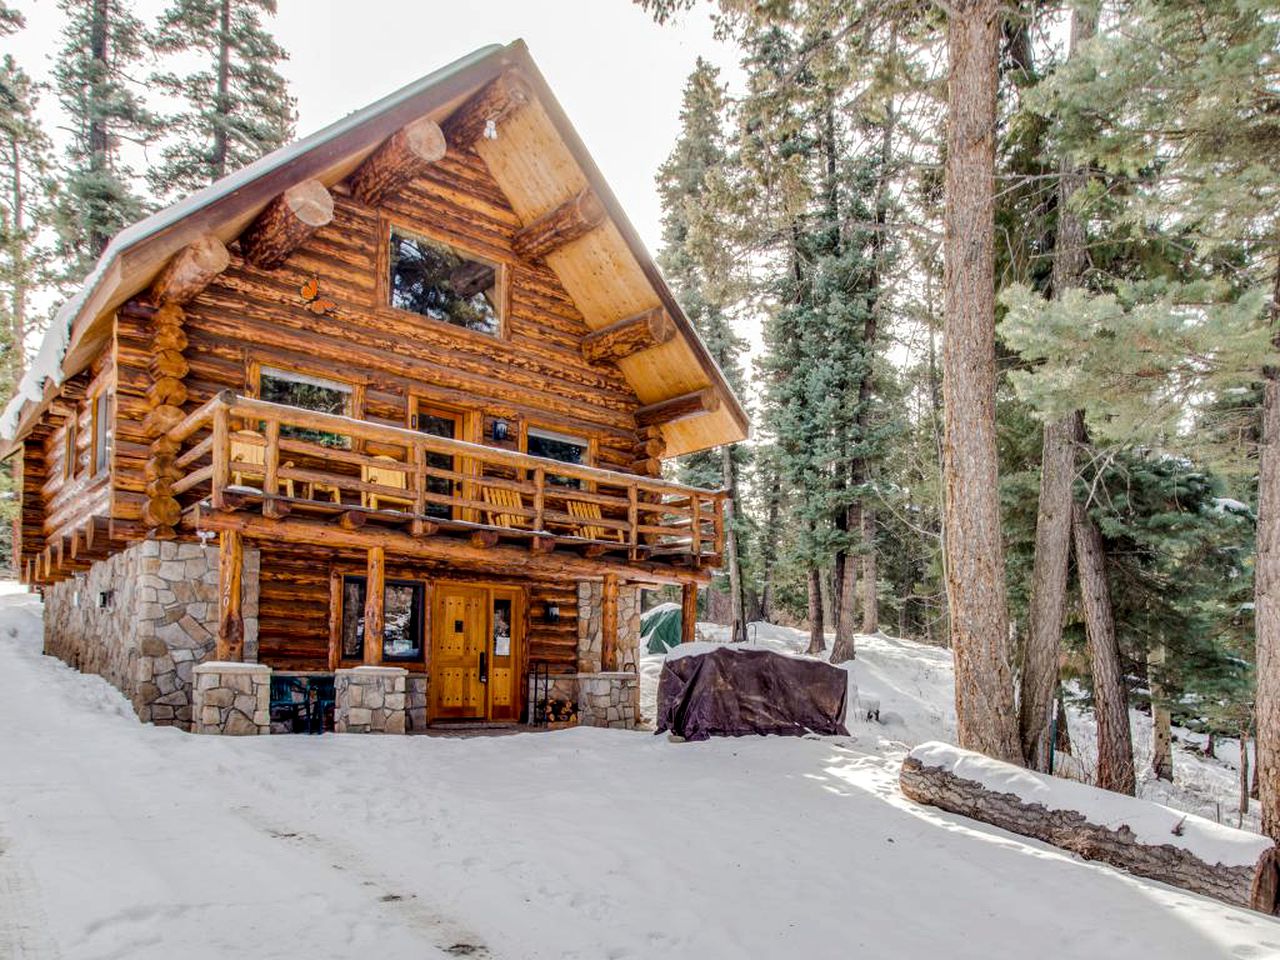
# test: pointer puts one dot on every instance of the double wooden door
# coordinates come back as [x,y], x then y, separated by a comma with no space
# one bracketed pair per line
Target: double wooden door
[474,652]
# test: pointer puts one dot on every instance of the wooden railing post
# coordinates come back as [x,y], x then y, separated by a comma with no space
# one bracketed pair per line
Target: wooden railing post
[230,641]
[719,523]
[633,521]
[539,497]
[695,526]
[419,453]
[221,456]
[375,587]
[271,470]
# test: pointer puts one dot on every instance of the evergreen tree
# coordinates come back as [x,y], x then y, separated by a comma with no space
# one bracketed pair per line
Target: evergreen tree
[11,20]
[25,188]
[103,42]
[237,105]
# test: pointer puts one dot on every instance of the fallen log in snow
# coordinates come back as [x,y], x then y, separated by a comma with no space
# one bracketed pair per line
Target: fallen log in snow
[1141,837]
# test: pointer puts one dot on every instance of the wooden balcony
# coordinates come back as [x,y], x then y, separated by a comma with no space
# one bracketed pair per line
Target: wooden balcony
[237,455]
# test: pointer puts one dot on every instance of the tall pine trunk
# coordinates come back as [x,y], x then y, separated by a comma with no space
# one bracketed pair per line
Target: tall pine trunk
[737,602]
[1110,700]
[19,280]
[817,640]
[1267,592]
[846,647]
[1161,722]
[99,135]
[986,715]
[1057,473]
[870,574]
[222,106]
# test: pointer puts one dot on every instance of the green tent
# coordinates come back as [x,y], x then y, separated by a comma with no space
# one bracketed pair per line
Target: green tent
[660,628]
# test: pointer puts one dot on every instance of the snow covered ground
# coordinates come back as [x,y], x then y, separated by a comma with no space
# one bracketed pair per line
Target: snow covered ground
[123,840]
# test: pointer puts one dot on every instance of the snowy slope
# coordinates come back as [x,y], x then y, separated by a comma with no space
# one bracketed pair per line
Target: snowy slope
[123,840]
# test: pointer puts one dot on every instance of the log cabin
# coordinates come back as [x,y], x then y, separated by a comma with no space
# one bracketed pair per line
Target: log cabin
[376,422]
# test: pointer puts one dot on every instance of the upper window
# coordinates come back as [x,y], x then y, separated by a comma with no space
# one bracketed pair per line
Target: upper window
[102,432]
[436,281]
[307,393]
[557,446]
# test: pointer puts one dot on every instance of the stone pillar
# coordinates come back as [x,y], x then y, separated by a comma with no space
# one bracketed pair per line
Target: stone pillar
[369,700]
[233,699]
[415,703]
[609,699]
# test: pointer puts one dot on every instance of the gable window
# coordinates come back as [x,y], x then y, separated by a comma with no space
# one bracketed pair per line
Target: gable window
[307,393]
[102,432]
[402,602]
[557,446]
[435,280]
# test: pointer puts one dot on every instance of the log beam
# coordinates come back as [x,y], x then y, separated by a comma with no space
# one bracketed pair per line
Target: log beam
[630,336]
[574,218]
[492,104]
[684,407]
[404,155]
[609,623]
[286,223]
[374,614]
[230,642]
[165,396]
[688,611]
[190,270]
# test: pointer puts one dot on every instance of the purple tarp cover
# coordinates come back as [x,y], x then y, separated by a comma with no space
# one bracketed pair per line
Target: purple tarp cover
[737,692]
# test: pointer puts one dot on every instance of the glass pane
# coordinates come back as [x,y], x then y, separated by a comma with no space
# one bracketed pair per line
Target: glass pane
[432,280]
[307,395]
[439,426]
[556,448]
[501,627]
[402,629]
[353,596]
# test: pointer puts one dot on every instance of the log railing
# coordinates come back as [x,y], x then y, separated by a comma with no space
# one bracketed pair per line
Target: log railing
[366,471]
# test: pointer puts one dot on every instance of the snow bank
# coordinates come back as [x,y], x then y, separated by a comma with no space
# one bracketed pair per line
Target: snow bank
[700,647]
[1151,823]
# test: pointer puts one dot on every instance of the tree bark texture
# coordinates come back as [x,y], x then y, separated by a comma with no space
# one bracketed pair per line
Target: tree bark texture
[1071,831]
[737,601]
[817,642]
[845,647]
[986,714]
[870,573]
[1110,700]
[1267,594]
[1161,722]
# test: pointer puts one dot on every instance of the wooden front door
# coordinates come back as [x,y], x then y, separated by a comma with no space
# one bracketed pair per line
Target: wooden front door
[476,665]
[459,652]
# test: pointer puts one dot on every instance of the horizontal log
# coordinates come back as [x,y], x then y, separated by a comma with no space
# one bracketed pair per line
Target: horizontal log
[485,110]
[404,155]
[286,222]
[190,270]
[574,218]
[630,336]
[938,786]
[679,408]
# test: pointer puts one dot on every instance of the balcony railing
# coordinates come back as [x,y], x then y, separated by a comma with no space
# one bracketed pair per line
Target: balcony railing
[238,453]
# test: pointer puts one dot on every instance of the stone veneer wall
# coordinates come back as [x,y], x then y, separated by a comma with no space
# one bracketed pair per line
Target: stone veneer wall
[415,701]
[233,699]
[609,699]
[369,700]
[590,598]
[158,622]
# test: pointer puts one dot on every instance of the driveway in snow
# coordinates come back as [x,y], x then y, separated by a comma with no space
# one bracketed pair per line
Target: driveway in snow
[123,840]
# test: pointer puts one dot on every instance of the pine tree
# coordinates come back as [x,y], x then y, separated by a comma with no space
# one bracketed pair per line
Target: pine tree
[11,20]
[103,43]
[237,106]
[25,188]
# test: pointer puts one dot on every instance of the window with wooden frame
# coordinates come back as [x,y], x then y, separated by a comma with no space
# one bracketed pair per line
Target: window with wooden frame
[103,432]
[306,392]
[440,281]
[403,617]
[563,447]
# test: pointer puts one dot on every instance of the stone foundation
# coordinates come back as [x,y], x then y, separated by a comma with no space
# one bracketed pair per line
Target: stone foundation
[369,700]
[415,701]
[561,686]
[609,700]
[143,618]
[232,699]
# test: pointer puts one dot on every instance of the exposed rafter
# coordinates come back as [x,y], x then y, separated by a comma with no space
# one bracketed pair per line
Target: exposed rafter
[630,336]
[190,270]
[404,155]
[675,409]
[574,218]
[286,223]
[491,104]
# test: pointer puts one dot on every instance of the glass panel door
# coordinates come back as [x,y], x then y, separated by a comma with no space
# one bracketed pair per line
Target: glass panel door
[440,423]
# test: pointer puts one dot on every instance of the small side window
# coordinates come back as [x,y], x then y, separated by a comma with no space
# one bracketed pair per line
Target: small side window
[435,280]
[69,449]
[102,432]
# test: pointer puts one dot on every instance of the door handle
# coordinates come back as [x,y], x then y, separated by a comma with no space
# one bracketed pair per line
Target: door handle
[484,666]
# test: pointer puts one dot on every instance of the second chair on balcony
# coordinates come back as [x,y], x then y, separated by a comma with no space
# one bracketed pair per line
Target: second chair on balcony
[393,475]
[249,460]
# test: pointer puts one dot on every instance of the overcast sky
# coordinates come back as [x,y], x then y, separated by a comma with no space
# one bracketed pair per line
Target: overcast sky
[618,75]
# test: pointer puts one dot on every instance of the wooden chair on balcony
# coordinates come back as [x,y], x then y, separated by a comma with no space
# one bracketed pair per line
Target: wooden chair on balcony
[503,501]
[587,512]
[393,475]
[249,460]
